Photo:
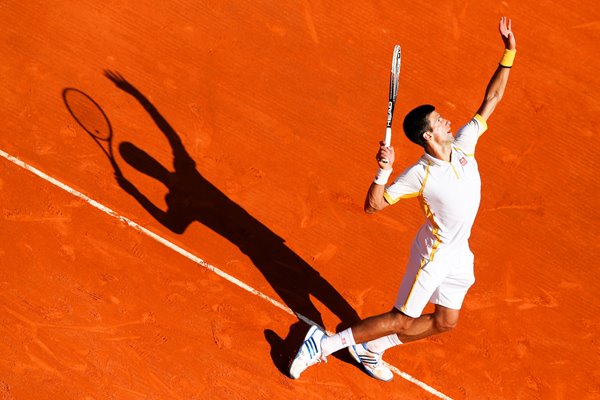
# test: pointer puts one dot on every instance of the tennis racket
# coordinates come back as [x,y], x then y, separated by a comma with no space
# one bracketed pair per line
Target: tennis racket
[90,116]
[394,80]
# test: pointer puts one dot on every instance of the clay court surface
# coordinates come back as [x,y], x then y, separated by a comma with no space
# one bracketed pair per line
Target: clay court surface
[272,112]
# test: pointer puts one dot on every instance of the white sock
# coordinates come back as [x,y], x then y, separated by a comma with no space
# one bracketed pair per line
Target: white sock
[331,344]
[383,343]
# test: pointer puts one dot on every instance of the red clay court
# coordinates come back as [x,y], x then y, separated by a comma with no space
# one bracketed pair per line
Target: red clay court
[270,115]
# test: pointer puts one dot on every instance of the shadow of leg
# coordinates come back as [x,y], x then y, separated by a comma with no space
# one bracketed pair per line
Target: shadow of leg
[284,350]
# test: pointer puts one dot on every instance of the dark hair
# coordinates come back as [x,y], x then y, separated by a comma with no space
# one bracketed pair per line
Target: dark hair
[416,123]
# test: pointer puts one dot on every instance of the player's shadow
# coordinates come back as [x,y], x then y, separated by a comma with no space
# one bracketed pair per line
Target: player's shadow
[191,197]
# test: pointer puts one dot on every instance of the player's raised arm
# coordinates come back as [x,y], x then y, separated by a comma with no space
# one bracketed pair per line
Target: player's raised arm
[495,89]
[375,201]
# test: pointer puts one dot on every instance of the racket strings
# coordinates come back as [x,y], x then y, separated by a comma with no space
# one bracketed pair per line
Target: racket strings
[88,114]
[395,76]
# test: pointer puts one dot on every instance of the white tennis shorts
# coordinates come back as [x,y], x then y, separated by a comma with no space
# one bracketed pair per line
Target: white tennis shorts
[444,281]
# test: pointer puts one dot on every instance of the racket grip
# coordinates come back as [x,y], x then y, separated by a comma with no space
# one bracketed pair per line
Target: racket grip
[387,140]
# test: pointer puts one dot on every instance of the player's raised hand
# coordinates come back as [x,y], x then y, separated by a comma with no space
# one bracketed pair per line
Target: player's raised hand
[387,154]
[506,33]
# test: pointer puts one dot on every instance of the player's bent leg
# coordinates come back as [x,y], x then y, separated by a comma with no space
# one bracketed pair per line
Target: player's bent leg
[373,329]
[441,320]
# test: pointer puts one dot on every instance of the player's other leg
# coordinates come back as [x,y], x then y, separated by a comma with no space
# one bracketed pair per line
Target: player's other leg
[310,352]
[375,335]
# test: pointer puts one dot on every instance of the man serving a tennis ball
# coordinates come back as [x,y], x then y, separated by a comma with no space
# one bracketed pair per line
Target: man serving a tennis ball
[440,267]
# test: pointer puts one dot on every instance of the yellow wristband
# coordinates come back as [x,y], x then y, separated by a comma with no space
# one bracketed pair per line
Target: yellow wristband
[508,58]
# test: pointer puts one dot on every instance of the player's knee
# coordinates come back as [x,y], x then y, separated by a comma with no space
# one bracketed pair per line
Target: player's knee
[445,323]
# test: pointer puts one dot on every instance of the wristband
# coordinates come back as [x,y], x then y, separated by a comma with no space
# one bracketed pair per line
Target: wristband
[508,58]
[382,176]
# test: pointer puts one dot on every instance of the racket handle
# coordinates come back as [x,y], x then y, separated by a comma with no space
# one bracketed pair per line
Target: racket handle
[387,140]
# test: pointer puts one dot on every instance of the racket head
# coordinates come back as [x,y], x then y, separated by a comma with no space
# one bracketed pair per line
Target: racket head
[394,82]
[88,114]
[395,72]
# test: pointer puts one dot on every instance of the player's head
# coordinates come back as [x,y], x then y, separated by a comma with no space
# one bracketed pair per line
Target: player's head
[416,123]
[426,127]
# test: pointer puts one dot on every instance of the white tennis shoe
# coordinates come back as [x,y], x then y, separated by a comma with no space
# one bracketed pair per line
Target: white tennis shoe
[310,353]
[371,362]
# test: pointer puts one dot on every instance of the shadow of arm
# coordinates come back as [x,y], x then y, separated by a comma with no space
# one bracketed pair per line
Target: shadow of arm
[179,151]
[160,215]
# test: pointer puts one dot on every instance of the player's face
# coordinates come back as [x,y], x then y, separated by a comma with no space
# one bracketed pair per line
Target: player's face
[441,130]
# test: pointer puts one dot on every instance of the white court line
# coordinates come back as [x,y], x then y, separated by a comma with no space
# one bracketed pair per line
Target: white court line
[195,259]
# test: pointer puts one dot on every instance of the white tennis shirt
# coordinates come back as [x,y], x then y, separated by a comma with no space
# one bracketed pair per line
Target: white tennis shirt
[449,193]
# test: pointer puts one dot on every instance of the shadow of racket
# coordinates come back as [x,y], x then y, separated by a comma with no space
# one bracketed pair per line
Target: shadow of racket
[90,116]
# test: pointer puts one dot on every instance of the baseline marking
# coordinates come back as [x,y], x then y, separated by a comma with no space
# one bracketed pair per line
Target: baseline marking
[195,259]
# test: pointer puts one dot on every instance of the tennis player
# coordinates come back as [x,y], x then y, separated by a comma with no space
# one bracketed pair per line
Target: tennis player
[440,267]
